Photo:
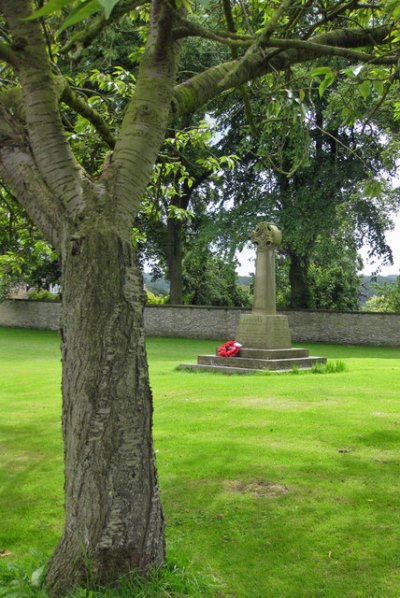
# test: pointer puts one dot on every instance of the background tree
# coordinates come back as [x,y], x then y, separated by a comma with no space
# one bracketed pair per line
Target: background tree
[319,172]
[114,521]
[25,257]
[386,299]
[175,205]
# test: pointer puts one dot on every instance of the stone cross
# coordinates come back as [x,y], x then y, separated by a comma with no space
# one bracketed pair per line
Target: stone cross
[267,237]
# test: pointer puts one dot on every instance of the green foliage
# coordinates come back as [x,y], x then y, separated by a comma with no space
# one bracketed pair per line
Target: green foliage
[171,194]
[108,6]
[386,299]
[335,284]
[25,258]
[185,157]
[153,299]
[42,295]
[330,367]
[50,8]
[325,181]
[173,213]
[17,581]
[80,10]
[169,581]
[211,280]
[329,78]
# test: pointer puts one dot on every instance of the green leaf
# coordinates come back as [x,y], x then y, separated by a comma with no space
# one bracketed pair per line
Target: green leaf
[277,108]
[81,12]
[379,87]
[321,70]
[108,6]
[186,4]
[49,8]
[396,9]
[325,83]
[351,71]
[365,89]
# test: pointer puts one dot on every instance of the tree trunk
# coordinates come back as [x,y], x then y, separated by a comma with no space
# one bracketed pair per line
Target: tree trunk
[300,295]
[174,255]
[114,519]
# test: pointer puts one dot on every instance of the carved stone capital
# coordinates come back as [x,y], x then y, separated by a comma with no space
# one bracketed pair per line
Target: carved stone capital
[266,236]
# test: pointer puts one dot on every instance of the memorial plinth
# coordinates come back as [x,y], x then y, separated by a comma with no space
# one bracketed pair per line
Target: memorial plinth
[264,335]
[260,331]
[263,329]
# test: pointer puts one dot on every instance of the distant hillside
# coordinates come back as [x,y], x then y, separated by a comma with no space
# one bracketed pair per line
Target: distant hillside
[367,285]
[244,280]
[158,287]
[161,285]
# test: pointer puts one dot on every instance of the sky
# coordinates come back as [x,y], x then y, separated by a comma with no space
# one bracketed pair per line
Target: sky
[393,240]
[247,256]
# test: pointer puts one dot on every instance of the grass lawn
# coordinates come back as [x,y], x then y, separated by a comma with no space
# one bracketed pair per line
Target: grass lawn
[281,486]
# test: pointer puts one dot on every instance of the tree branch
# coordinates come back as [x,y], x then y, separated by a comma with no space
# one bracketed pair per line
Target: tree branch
[143,127]
[20,173]
[273,22]
[190,29]
[326,50]
[201,88]
[230,23]
[77,103]
[7,55]
[46,134]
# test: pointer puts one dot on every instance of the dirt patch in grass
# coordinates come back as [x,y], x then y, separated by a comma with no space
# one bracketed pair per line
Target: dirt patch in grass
[256,487]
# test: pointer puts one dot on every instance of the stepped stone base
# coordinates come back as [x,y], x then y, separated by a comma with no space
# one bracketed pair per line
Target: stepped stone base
[255,360]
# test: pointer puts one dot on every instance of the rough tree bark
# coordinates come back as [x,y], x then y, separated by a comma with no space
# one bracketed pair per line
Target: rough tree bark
[175,240]
[300,296]
[114,519]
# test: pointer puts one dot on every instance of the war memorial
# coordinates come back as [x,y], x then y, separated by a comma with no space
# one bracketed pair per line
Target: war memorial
[263,335]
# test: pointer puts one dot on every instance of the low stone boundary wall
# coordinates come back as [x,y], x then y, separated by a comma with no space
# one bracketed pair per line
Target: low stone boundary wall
[23,313]
[221,323]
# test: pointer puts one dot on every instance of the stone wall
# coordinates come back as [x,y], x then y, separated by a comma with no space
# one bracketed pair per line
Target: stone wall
[191,321]
[22,313]
[220,323]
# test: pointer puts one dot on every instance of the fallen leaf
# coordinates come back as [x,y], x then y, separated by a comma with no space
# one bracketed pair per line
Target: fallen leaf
[4,553]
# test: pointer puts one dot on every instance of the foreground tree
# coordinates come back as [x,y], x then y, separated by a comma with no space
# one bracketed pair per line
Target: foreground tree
[114,520]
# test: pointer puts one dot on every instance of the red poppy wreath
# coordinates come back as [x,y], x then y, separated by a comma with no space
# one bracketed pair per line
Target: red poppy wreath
[229,349]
